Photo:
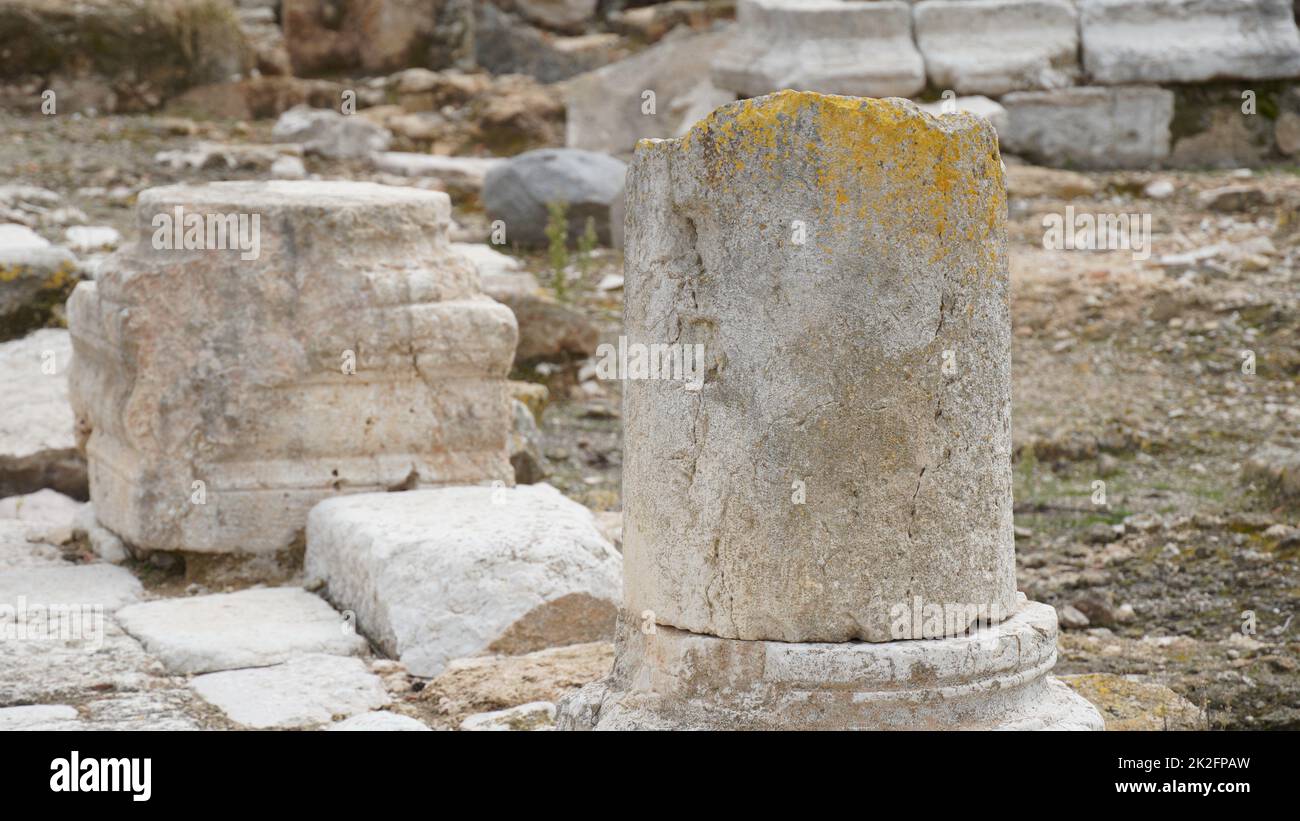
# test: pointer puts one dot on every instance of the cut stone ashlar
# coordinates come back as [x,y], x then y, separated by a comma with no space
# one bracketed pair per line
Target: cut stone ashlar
[827,46]
[996,46]
[436,575]
[996,678]
[220,395]
[1090,127]
[824,367]
[1188,41]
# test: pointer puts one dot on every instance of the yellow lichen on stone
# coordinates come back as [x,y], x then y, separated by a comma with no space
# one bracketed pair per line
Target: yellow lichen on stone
[882,160]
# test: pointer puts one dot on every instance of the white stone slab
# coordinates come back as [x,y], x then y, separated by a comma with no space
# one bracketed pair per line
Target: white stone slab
[37,446]
[306,691]
[457,172]
[38,717]
[1092,127]
[435,575]
[857,49]
[79,585]
[251,628]
[996,46]
[1188,41]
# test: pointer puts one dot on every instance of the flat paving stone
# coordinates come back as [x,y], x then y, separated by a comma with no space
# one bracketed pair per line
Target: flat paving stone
[70,585]
[251,628]
[306,691]
[20,547]
[38,717]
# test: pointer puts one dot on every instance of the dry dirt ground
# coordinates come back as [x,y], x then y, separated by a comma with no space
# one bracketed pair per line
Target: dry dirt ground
[1126,372]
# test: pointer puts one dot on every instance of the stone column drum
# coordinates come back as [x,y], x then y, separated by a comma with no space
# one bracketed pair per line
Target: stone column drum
[331,343]
[821,536]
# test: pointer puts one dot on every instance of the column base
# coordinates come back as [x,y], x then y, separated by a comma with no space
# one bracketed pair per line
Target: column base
[995,678]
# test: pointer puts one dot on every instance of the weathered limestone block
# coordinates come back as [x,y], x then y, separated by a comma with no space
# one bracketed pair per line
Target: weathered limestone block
[996,46]
[828,46]
[1188,41]
[819,535]
[435,575]
[607,108]
[1093,127]
[343,347]
[37,446]
[35,278]
[836,383]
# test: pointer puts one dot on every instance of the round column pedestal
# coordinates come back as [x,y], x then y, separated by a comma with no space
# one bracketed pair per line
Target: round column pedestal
[995,678]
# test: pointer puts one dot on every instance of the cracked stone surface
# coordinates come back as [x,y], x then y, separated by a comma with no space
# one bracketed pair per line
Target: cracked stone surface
[251,628]
[1188,41]
[997,46]
[306,691]
[436,575]
[37,446]
[352,351]
[78,585]
[824,310]
[828,45]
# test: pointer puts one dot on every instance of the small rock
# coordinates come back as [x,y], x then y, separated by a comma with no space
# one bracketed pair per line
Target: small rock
[381,721]
[330,134]
[86,238]
[519,190]
[288,168]
[1101,533]
[53,515]
[537,715]
[1159,189]
[1071,619]
[1232,198]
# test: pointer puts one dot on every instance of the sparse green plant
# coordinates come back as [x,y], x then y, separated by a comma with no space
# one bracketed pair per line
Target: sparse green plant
[557,236]
[586,244]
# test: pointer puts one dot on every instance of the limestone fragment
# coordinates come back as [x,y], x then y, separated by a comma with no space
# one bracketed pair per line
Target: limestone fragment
[37,446]
[537,715]
[304,692]
[820,534]
[828,46]
[1188,41]
[336,345]
[609,110]
[923,506]
[379,721]
[996,46]
[435,575]
[1090,127]
[250,628]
